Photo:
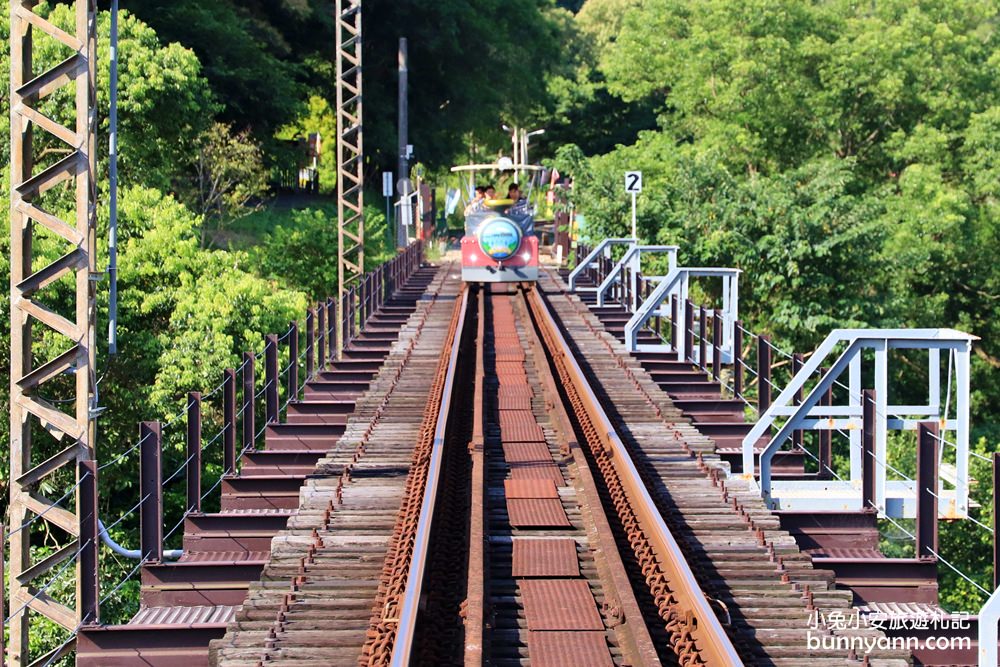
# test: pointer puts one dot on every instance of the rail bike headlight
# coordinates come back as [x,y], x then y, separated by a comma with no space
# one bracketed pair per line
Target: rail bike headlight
[499,238]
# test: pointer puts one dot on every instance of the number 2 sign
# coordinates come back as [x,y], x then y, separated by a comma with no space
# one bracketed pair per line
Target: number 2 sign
[633,182]
[633,186]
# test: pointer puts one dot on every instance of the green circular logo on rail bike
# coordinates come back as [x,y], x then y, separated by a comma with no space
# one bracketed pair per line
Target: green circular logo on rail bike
[499,238]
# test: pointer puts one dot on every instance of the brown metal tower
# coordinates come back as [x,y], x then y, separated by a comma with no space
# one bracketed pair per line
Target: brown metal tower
[62,438]
[350,162]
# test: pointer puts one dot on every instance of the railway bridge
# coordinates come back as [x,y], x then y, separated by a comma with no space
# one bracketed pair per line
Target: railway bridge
[600,467]
[488,475]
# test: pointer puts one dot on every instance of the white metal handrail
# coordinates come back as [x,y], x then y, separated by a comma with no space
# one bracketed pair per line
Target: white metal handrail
[602,248]
[632,262]
[810,415]
[678,283]
[989,617]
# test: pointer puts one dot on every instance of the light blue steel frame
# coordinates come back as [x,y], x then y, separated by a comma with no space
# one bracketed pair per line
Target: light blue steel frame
[604,247]
[678,282]
[810,415]
[631,262]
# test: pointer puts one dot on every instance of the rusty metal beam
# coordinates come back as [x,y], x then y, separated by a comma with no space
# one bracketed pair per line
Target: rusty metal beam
[927,490]
[350,165]
[28,283]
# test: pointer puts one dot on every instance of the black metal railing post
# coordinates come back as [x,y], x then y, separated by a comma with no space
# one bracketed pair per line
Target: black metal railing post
[150,492]
[321,336]
[293,363]
[271,379]
[716,346]
[825,453]
[738,359]
[868,451]
[249,389]
[675,340]
[310,342]
[362,302]
[229,422]
[688,332]
[763,374]
[702,338]
[331,329]
[345,313]
[927,501]
[89,601]
[193,442]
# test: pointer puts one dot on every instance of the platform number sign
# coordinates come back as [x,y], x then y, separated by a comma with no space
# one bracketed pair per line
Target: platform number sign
[633,186]
[633,182]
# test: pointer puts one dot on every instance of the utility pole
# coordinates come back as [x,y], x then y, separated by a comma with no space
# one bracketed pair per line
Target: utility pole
[515,142]
[404,140]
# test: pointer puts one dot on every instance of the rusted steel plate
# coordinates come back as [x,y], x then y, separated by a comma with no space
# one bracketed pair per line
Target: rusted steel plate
[559,604]
[522,433]
[512,380]
[514,403]
[526,452]
[520,426]
[558,649]
[537,470]
[223,556]
[184,615]
[554,557]
[517,418]
[843,552]
[509,390]
[530,488]
[511,368]
[536,512]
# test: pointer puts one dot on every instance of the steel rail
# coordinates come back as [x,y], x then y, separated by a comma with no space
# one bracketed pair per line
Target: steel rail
[407,623]
[475,607]
[690,611]
[638,644]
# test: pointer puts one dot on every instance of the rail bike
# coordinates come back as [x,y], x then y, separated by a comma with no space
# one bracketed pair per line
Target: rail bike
[499,244]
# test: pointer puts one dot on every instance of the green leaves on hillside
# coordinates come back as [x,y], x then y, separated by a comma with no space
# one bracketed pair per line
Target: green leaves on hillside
[845,156]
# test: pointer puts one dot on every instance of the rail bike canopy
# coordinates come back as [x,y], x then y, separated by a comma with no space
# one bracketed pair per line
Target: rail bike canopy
[603,249]
[678,284]
[627,270]
[843,352]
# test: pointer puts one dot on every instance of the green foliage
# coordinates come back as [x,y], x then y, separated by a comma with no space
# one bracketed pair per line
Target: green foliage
[228,175]
[300,248]
[302,251]
[320,118]
[164,101]
[470,65]
[249,51]
[844,155]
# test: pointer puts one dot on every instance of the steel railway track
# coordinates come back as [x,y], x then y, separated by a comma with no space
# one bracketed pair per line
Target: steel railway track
[523,493]
[566,560]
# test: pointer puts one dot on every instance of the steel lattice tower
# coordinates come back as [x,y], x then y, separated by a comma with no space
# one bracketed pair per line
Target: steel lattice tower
[72,432]
[350,163]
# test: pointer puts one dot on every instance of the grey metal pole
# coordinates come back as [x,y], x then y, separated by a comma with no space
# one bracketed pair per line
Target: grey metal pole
[404,135]
[113,193]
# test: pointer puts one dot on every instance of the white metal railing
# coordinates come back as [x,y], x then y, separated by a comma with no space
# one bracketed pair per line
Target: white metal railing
[678,283]
[602,249]
[631,263]
[809,414]
[989,617]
